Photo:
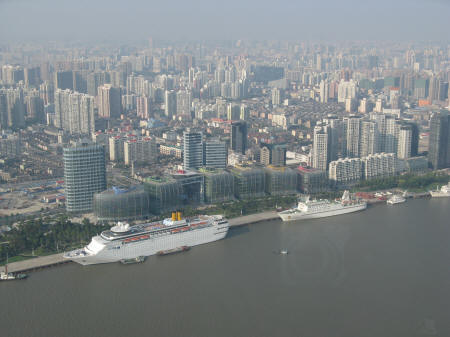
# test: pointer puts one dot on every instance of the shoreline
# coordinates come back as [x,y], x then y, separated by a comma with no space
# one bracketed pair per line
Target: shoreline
[57,259]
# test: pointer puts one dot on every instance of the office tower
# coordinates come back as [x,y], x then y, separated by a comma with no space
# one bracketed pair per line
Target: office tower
[379,165]
[369,138]
[84,175]
[141,150]
[433,92]
[439,142]
[239,136]
[343,172]
[184,98]
[80,81]
[74,112]
[404,142]
[321,147]
[276,96]
[215,154]
[32,76]
[109,101]
[233,112]
[193,150]
[279,155]
[170,104]
[64,80]
[353,125]
[323,87]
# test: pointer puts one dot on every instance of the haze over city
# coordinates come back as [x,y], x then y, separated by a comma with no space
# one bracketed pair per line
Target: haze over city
[327,20]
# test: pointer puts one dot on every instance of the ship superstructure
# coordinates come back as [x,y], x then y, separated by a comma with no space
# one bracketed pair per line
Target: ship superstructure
[128,242]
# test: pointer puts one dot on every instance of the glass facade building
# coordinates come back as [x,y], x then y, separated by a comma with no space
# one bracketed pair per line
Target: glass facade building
[120,205]
[84,175]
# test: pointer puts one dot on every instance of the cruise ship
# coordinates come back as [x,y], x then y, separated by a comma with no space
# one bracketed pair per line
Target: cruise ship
[443,192]
[123,242]
[310,209]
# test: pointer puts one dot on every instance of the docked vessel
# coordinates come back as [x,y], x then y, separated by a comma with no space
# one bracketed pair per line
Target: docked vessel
[123,242]
[5,276]
[310,209]
[396,199]
[442,193]
[173,251]
[138,259]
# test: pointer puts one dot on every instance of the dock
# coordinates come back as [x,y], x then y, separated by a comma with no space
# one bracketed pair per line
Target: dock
[36,263]
[253,218]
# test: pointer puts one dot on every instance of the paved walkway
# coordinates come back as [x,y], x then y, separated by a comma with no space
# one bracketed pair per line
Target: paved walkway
[252,218]
[34,263]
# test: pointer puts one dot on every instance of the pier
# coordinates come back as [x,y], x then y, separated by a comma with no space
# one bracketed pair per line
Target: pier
[36,263]
[253,218]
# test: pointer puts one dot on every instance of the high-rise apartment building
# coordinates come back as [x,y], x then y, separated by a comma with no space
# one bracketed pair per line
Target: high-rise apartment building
[84,175]
[344,172]
[379,165]
[140,150]
[109,101]
[74,112]
[321,148]
[170,104]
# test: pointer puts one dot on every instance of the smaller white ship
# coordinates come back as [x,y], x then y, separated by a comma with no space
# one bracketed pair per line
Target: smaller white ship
[310,209]
[396,199]
[443,192]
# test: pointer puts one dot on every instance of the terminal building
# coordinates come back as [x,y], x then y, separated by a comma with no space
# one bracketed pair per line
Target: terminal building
[122,204]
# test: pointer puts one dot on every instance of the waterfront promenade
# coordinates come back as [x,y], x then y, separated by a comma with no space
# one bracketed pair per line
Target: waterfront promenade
[35,263]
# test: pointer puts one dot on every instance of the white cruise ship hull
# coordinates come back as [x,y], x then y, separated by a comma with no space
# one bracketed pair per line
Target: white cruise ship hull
[299,215]
[439,194]
[115,251]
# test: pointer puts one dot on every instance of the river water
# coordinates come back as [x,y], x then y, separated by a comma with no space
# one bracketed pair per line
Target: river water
[381,272]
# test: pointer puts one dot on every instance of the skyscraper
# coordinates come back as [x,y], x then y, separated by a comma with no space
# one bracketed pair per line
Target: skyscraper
[321,147]
[405,136]
[170,103]
[353,125]
[239,136]
[84,175]
[369,139]
[193,150]
[439,147]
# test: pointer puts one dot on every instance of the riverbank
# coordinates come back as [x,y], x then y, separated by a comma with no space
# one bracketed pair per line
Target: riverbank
[56,259]
[37,263]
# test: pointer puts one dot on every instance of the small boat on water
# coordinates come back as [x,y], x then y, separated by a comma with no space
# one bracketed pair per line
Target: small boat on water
[284,252]
[138,259]
[173,251]
[5,276]
[396,199]
[10,276]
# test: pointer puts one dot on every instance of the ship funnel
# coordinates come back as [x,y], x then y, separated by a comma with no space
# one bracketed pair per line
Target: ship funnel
[174,216]
[178,216]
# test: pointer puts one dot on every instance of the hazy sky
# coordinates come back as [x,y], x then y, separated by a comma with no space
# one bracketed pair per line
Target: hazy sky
[23,20]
